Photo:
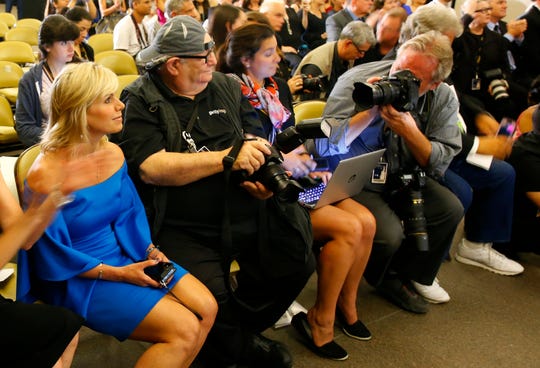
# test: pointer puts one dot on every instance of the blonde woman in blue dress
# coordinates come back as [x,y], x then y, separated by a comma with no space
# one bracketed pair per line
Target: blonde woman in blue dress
[91,259]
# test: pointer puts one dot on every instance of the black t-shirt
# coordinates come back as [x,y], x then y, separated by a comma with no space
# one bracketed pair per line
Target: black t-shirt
[196,207]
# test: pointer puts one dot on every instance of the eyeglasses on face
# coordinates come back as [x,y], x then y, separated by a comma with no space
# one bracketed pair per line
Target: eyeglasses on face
[210,46]
[360,51]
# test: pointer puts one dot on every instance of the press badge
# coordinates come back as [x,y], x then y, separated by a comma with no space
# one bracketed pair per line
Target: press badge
[475,84]
[378,176]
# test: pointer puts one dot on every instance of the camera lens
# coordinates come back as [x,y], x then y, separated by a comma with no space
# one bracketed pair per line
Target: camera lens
[498,89]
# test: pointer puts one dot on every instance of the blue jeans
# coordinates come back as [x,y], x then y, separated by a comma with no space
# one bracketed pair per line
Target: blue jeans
[487,196]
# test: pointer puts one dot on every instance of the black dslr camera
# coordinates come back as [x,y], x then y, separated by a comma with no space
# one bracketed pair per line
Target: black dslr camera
[497,85]
[161,272]
[410,186]
[315,84]
[399,90]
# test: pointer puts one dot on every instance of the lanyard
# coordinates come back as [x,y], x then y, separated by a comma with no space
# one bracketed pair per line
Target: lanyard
[186,134]
[143,40]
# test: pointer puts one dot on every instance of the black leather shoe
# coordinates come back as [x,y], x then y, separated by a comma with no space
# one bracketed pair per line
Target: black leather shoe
[262,352]
[330,350]
[403,295]
[357,330]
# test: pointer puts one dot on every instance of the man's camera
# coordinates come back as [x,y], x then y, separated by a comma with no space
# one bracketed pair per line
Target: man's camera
[412,203]
[399,90]
[161,272]
[497,85]
[315,84]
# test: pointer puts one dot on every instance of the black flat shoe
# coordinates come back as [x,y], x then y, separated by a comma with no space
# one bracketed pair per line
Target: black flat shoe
[357,330]
[330,350]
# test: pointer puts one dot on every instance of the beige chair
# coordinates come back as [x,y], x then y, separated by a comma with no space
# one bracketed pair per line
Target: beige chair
[120,62]
[29,22]
[308,110]
[524,121]
[8,18]
[3,29]
[123,81]
[17,52]
[24,34]
[10,74]
[22,165]
[101,42]
[7,131]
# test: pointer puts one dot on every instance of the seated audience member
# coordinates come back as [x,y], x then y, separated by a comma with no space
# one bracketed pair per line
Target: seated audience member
[528,63]
[483,192]
[251,5]
[56,43]
[203,7]
[513,31]
[112,11]
[379,9]
[83,20]
[131,34]
[345,229]
[353,10]
[174,8]
[223,20]
[420,143]
[525,158]
[184,143]
[481,73]
[313,20]
[387,35]
[93,261]
[334,6]
[288,34]
[55,7]
[34,335]
[333,59]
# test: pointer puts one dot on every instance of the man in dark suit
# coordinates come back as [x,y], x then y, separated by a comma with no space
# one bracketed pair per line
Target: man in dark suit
[529,61]
[354,10]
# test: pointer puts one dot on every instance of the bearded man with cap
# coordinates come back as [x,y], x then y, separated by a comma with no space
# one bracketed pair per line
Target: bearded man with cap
[185,139]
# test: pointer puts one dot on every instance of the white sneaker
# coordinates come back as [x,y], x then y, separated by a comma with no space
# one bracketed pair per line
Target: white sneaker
[286,318]
[433,293]
[482,255]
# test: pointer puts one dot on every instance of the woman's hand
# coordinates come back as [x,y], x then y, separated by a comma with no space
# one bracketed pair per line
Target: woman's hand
[323,175]
[299,164]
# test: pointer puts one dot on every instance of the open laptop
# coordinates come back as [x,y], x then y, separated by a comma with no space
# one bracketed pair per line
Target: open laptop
[348,179]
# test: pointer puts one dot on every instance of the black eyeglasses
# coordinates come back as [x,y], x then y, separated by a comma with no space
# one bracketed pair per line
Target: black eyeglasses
[210,46]
[360,51]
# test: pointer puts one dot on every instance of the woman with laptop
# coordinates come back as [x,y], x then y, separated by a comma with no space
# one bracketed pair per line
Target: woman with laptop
[343,231]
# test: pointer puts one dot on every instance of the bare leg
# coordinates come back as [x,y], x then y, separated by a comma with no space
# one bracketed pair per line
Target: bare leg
[349,291]
[343,233]
[67,357]
[176,332]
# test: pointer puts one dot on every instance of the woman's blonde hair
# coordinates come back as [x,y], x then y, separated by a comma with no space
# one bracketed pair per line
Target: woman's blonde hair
[73,91]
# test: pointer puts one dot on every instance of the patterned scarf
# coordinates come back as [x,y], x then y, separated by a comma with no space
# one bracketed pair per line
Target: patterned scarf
[264,98]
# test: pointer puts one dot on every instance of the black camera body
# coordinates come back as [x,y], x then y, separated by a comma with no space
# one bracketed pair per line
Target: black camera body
[161,272]
[315,84]
[273,176]
[296,135]
[399,90]
[497,85]
[414,220]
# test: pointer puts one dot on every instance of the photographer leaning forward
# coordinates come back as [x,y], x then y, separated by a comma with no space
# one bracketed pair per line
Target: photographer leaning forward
[322,67]
[423,140]
[183,135]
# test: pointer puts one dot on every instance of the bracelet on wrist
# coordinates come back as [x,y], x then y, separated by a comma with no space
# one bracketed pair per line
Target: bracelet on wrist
[151,250]
[100,272]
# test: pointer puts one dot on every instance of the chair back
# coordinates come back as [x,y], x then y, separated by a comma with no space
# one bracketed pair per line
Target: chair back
[17,51]
[123,81]
[24,34]
[101,42]
[7,130]
[120,62]
[10,74]
[8,18]
[3,29]
[22,166]
[309,110]
[29,22]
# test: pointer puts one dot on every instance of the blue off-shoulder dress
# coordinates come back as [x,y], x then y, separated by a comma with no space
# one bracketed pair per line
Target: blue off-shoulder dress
[105,223]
